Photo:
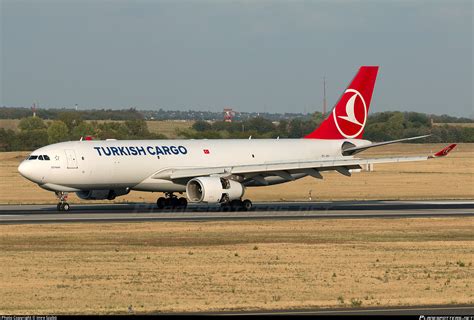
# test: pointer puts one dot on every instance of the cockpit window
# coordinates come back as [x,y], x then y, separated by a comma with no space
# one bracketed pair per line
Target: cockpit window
[41,157]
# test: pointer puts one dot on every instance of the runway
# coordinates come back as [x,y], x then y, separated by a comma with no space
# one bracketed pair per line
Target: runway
[29,214]
[435,310]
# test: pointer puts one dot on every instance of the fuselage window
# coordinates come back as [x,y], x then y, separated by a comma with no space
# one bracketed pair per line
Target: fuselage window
[40,158]
[45,157]
[32,157]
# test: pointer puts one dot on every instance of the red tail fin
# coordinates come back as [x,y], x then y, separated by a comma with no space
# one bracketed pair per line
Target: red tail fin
[348,118]
[445,151]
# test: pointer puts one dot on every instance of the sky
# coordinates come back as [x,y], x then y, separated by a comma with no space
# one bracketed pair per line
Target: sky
[250,55]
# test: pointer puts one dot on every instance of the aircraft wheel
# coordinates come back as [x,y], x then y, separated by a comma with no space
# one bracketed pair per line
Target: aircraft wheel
[236,205]
[182,203]
[161,202]
[247,205]
[225,206]
[64,206]
[172,203]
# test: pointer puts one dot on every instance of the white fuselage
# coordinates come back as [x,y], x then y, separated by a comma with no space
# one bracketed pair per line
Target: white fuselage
[136,164]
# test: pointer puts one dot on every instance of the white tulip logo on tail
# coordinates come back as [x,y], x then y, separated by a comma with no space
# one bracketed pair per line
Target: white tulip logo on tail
[351,121]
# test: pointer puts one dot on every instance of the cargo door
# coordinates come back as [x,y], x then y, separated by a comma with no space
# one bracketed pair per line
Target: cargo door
[71,159]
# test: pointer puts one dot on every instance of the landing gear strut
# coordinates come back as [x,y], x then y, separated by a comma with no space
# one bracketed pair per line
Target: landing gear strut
[170,201]
[62,205]
[237,205]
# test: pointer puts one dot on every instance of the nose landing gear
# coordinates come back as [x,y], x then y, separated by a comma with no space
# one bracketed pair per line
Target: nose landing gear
[170,201]
[62,205]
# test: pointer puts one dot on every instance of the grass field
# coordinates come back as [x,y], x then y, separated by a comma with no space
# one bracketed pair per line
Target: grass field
[235,265]
[447,178]
[9,124]
[168,128]
[455,124]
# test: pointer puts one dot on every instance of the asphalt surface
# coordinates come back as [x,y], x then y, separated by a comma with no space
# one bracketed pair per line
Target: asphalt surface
[26,214]
[446,310]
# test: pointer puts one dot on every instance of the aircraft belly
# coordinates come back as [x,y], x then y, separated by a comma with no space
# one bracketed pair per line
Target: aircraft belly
[159,185]
[272,180]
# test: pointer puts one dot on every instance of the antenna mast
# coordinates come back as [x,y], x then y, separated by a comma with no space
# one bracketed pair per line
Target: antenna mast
[33,108]
[324,99]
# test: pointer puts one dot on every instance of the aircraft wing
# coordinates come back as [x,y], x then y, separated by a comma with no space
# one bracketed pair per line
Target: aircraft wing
[285,169]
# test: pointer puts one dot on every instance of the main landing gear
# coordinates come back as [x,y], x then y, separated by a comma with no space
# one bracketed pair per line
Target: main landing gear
[237,205]
[62,205]
[170,201]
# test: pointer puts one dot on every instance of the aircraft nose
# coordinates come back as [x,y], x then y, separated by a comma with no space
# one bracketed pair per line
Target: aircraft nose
[23,168]
[26,170]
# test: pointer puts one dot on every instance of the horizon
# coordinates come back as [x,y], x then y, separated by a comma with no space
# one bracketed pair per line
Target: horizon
[93,109]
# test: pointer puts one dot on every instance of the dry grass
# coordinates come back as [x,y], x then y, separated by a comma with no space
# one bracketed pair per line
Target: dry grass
[9,124]
[163,267]
[168,128]
[447,178]
[455,124]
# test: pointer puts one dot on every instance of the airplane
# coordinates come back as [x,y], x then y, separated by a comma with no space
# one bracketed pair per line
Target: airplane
[212,171]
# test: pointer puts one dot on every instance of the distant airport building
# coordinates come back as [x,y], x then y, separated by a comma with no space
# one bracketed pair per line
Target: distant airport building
[228,114]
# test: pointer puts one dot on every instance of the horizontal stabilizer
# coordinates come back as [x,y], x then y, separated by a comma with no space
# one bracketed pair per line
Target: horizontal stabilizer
[353,150]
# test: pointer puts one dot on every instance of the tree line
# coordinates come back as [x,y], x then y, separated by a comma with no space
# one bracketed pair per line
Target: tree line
[381,126]
[34,132]
[160,114]
[132,113]
[56,114]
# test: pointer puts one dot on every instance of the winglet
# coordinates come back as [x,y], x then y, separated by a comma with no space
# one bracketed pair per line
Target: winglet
[444,152]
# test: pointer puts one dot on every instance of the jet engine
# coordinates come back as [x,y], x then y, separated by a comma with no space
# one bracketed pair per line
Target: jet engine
[102,194]
[213,190]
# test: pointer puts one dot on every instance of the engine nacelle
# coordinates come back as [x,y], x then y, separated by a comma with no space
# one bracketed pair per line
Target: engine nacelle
[102,194]
[213,190]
